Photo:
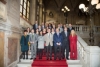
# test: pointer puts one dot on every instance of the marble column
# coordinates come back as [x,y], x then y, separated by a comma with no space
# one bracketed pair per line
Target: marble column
[40,12]
[33,11]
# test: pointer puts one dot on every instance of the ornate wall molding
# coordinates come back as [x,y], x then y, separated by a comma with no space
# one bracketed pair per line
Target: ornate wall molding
[3,11]
[3,1]
[10,28]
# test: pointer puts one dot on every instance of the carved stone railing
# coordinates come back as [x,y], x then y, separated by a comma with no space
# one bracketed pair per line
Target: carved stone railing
[83,28]
[97,29]
[89,55]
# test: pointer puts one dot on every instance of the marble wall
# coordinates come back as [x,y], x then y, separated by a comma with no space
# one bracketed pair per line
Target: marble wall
[12,49]
[1,49]
[11,32]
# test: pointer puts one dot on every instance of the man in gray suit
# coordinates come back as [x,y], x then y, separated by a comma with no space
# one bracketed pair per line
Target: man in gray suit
[33,42]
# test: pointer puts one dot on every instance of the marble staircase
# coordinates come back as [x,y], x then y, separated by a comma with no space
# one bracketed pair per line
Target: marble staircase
[25,62]
[28,62]
[74,63]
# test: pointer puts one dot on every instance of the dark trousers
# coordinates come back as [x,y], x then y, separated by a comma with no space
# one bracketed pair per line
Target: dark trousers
[53,48]
[23,54]
[37,48]
[49,51]
[45,50]
[57,51]
[65,46]
[40,53]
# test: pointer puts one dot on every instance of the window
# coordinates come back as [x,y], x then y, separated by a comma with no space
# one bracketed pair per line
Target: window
[24,9]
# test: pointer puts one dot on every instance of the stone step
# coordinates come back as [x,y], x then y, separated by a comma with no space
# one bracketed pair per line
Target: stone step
[29,56]
[24,64]
[26,60]
[74,63]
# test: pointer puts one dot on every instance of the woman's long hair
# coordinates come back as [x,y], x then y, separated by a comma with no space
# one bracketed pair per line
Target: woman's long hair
[73,33]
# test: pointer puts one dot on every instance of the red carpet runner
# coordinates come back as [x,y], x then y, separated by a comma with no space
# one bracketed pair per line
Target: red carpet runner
[49,63]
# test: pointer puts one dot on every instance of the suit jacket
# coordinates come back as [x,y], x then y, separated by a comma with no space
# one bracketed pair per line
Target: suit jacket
[48,39]
[65,38]
[33,38]
[42,27]
[57,38]
[34,27]
[69,30]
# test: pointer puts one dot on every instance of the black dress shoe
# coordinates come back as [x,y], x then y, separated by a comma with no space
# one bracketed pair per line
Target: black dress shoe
[26,58]
[63,58]
[67,58]
[54,59]
[47,59]
[31,58]
[34,58]
[50,58]
[59,58]
[39,58]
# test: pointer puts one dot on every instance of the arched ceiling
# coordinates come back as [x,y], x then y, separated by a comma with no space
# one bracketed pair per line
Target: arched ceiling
[59,4]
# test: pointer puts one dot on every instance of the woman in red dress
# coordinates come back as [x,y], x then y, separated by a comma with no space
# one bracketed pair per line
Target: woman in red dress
[73,45]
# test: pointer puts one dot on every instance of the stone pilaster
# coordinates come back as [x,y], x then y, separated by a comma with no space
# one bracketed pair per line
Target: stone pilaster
[40,12]
[33,11]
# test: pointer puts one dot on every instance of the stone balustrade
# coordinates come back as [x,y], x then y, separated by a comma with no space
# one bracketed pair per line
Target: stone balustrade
[89,55]
[83,28]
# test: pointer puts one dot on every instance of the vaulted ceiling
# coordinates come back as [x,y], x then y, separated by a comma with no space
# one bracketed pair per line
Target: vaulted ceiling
[59,4]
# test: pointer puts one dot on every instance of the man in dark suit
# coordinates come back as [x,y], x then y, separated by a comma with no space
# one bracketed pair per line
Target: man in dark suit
[57,44]
[70,28]
[42,26]
[65,43]
[35,26]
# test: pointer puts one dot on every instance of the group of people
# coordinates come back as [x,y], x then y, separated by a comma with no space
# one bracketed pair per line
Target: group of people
[49,39]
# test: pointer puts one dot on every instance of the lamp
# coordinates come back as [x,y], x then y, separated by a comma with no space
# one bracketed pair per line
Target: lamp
[93,2]
[62,9]
[98,6]
[81,6]
[90,10]
[65,9]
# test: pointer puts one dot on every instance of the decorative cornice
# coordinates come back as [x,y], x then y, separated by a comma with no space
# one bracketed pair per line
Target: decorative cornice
[3,1]
[10,28]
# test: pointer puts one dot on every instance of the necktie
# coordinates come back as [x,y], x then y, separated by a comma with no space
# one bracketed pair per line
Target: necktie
[32,35]
[66,33]
[49,35]
[58,34]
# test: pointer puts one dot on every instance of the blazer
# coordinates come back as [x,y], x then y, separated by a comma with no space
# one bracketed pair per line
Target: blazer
[40,42]
[69,30]
[57,38]
[48,39]
[65,38]
[33,38]
[34,27]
